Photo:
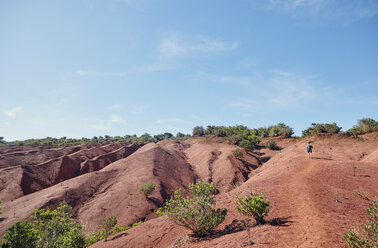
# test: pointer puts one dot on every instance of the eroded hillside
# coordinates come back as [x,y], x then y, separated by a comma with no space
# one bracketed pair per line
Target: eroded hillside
[314,200]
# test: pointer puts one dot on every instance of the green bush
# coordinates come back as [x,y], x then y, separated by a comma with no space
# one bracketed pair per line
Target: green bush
[271,144]
[1,207]
[49,229]
[147,189]
[247,145]
[254,206]
[196,213]
[109,228]
[109,224]
[365,125]
[321,128]
[368,238]
[198,131]
[237,153]
[20,235]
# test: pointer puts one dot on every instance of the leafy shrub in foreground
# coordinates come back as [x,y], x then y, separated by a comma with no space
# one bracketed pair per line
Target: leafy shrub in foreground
[368,238]
[51,229]
[321,128]
[196,213]
[20,235]
[271,144]
[147,189]
[254,206]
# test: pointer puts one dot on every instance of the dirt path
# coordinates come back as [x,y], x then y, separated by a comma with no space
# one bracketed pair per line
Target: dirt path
[300,190]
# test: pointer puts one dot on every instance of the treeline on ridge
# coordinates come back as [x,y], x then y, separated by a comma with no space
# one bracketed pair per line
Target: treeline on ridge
[240,135]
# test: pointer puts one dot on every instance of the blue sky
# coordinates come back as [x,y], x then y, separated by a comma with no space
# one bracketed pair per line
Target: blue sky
[80,68]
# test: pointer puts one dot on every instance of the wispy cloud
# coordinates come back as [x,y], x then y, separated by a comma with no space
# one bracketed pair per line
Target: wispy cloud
[13,112]
[174,46]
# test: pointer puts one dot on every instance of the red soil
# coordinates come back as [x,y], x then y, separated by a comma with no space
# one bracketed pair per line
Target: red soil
[313,200]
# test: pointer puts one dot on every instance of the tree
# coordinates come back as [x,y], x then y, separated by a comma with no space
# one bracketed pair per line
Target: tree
[321,128]
[198,131]
[196,213]
[254,206]
[109,224]
[147,189]
[180,135]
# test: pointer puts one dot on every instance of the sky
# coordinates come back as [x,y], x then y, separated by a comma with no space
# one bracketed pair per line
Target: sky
[84,68]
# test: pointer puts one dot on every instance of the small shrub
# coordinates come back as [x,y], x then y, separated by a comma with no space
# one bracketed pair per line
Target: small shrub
[147,189]
[271,144]
[254,206]
[196,213]
[368,236]
[354,170]
[49,229]
[102,233]
[109,224]
[237,153]
[20,235]
[1,207]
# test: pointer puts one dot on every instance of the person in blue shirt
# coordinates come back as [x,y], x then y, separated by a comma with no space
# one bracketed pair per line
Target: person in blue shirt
[309,149]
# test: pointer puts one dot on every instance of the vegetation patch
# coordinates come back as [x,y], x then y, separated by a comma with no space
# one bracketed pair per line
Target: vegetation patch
[147,189]
[254,206]
[196,212]
[365,125]
[48,229]
[321,128]
[365,236]
[237,153]
[271,144]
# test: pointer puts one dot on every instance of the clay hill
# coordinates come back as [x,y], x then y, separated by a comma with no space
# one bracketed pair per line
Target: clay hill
[315,201]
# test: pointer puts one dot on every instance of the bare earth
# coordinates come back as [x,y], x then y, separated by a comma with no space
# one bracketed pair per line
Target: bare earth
[313,200]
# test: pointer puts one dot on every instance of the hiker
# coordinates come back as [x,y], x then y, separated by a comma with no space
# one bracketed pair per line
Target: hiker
[309,150]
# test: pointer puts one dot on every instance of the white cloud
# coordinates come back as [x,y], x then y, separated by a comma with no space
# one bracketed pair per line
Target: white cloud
[13,112]
[174,46]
